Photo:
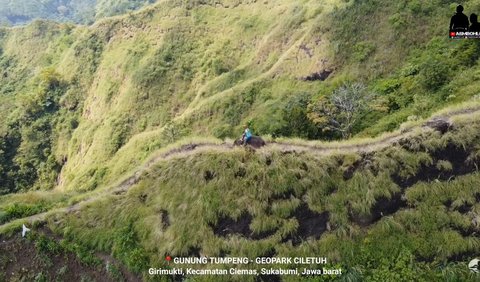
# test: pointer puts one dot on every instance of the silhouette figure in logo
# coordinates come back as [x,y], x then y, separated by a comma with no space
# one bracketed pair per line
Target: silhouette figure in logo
[475,24]
[459,21]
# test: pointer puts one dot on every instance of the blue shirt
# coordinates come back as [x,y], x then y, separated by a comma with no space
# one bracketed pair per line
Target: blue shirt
[248,134]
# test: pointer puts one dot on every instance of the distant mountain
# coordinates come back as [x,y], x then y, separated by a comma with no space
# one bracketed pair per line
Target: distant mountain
[18,12]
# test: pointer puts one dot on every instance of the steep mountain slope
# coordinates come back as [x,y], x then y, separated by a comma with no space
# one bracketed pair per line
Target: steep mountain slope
[372,212]
[125,78]
[113,93]
[85,108]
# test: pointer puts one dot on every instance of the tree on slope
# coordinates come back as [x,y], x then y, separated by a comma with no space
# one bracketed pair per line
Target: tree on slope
[341,111]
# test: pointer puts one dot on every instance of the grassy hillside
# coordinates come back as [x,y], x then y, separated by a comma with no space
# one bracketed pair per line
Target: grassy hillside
[409,208]
[85,106]
[137,77]
[17,12]
[127,86]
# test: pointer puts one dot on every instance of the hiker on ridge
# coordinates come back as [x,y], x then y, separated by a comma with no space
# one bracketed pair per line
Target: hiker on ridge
[246,136]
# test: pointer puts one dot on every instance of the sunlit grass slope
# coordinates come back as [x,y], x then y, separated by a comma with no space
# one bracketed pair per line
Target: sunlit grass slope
[79,99]
[83,105]
[123,85]
[374,212]
[83,108]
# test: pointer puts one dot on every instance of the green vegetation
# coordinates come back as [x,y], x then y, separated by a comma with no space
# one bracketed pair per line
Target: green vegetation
[16,206]
[17,12]
[86,108]
[20,211]
[107,93]
[51,259]
[400,208]
[405,57]
[343,109]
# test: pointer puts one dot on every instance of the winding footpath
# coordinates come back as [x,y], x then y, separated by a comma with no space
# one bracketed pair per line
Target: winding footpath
[368,145]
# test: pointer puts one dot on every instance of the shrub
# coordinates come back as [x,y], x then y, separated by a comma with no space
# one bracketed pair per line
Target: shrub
[402,268]
[126,248]
[19,210]
[47,245]
[173,132]
[120,133]
[295,116]
[85,255]
[434,73]
[219,66]
[362,50]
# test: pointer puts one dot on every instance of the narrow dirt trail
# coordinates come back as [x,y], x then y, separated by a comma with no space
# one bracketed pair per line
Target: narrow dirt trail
[368,145]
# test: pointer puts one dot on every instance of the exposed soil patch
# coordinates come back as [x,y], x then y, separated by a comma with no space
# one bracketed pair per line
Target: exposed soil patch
[448,203]
[298,176]
[439,124]
[311,224]
[165,219]
[268,278]
[209,175]
[227,226]
[365,162]
[21,260]
[307,50]
[463,209]
[318,76]
[304,166]
[269,253]
[382,207]
[288,152]
[194,252]
[268,161]
[455,155]
[462,257]
[348,173]
[466,232]
[119,192]
[143,198]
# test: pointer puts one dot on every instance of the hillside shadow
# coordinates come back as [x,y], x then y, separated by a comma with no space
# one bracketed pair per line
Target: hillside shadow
[382,207]
[458,157]
[228,226]
[311,224]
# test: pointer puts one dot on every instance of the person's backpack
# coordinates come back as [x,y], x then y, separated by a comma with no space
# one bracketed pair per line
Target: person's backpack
[248,134]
